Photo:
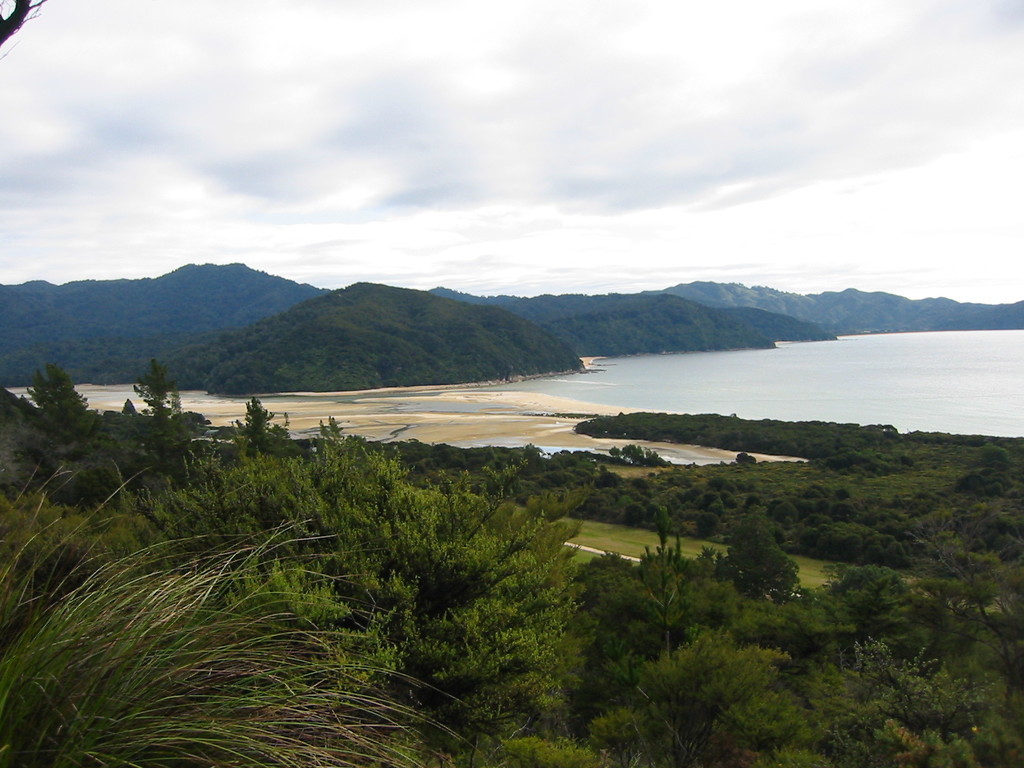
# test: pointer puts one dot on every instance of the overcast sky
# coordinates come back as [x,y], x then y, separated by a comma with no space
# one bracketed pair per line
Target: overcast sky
[521,147]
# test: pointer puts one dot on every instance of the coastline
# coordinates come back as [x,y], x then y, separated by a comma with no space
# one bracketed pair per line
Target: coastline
[460,415]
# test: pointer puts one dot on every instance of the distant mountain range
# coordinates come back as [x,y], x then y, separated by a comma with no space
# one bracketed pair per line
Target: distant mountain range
[235,330]
[853,311]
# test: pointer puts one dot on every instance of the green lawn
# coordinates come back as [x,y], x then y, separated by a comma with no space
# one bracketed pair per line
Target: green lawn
[623,540]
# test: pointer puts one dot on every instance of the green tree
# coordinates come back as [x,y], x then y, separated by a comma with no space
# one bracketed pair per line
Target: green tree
[664,573]
[986,605]
[615,733]
[637,456]
[258,434]
[910,750]
[918,693]
[888,704]
[615,631]
[167,434]
[465,594]
[65,411]
[158,391]
[533,752]
[710,690]
[756,563]
[473,593]
[975,596]
[871,599]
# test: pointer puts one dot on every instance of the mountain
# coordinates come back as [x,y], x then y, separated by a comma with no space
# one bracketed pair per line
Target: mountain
[368,336]
[191,299]
[778,327]
[853,311]
[997,317]
[624,324]
[100,328]
[106,331]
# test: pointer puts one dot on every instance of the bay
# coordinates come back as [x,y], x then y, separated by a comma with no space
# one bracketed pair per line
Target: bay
[964,382]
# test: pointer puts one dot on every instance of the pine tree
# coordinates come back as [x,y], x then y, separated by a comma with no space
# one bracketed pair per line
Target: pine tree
[63,408]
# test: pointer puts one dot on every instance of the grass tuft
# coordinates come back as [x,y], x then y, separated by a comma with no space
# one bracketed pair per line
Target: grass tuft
[138,662]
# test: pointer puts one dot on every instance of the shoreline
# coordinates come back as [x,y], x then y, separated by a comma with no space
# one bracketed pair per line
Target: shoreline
[461,415]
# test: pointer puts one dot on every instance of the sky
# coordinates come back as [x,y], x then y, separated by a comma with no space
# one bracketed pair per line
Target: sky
[525,147]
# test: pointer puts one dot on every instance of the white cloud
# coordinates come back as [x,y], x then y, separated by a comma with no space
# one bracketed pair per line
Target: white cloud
[587,145]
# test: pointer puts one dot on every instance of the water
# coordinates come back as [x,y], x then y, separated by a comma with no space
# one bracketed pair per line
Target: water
[966,382]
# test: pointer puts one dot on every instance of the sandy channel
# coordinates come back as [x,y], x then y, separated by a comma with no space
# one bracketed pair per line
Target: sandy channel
[459,416]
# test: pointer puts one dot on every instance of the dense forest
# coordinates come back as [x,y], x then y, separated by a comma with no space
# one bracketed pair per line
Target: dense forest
[636,325]
[867,495]
[367,336]
[629,324]
[230,329]
[104,330]
[178,595]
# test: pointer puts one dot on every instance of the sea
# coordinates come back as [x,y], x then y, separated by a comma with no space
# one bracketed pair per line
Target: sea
[963,382]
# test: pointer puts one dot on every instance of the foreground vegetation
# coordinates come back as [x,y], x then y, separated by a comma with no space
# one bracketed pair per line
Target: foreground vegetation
[144,660]
[249,599]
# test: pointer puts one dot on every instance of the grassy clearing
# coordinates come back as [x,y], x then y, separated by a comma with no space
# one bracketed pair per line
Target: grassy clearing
[623,540]
[582,556]
[623,470]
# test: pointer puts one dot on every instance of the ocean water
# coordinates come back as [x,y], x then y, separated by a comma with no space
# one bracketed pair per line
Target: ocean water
[965,382]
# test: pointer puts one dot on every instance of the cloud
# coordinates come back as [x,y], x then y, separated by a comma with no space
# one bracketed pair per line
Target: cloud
[537,145]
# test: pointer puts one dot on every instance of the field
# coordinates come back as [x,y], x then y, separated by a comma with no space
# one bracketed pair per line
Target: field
[632,542]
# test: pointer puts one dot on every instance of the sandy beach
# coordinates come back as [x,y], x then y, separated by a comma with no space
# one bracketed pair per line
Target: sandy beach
[463,416]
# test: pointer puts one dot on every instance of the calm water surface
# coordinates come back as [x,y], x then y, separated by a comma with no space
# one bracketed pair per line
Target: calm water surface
[967,382]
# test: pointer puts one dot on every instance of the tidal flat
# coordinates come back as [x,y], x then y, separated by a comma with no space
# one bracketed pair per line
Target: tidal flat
[462,416]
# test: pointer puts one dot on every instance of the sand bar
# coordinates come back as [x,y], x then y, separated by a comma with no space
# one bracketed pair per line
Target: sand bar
[463,416]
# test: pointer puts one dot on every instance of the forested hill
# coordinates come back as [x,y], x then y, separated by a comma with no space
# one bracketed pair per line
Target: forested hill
[626,325]
[853,311]
[777,326]
[623,324]
[367,336]
[189,299]
[100,329]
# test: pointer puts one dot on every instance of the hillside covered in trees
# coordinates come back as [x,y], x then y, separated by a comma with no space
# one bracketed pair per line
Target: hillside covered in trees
[190,299]
[628,324]
[367,336]
[104,330]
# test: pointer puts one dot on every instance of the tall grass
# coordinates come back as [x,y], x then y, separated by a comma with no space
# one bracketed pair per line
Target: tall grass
[138,663]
